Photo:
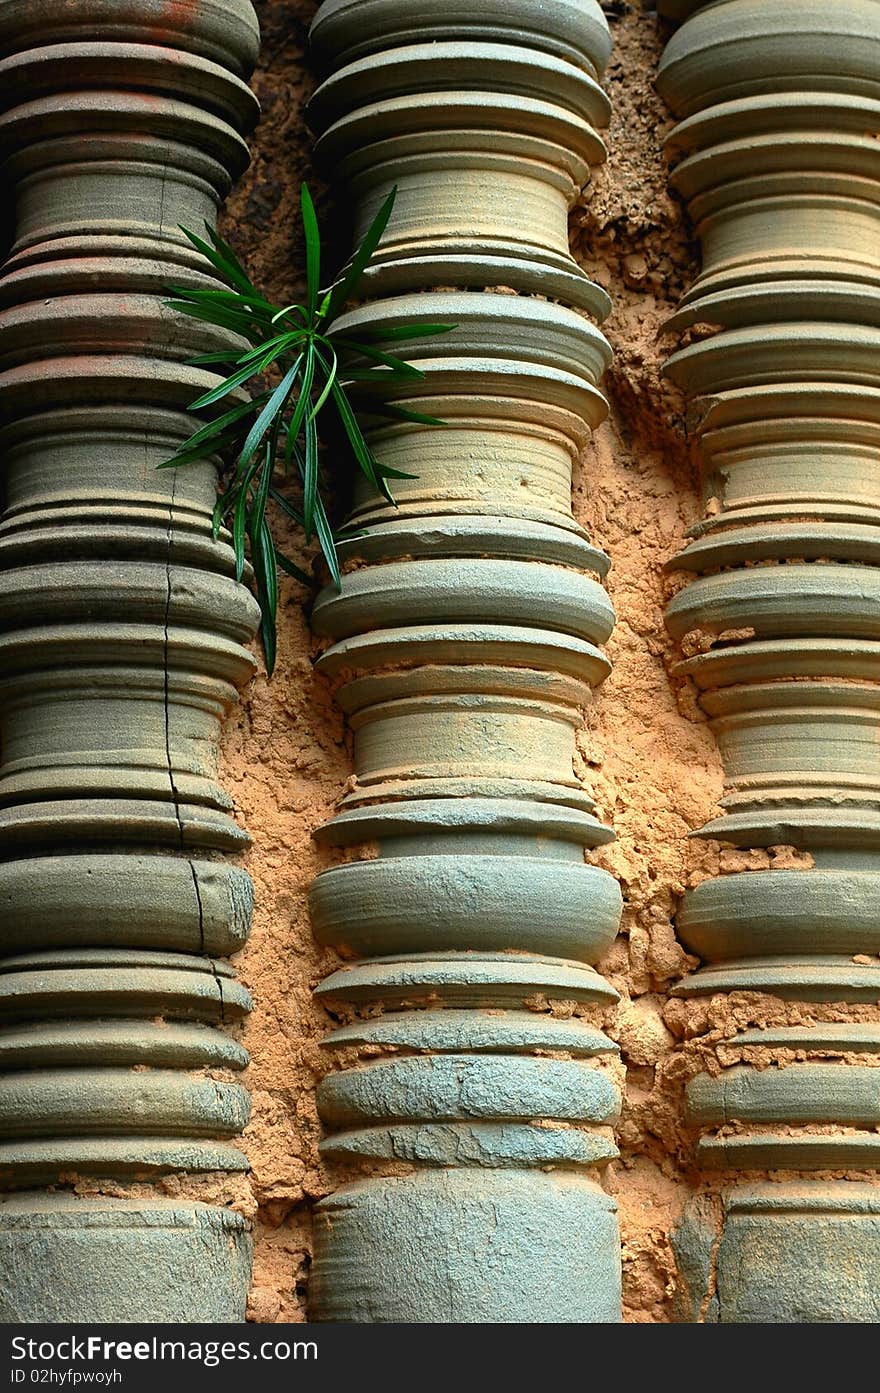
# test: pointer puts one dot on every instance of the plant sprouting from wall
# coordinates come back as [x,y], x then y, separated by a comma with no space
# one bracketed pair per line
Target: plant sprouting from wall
[271,438]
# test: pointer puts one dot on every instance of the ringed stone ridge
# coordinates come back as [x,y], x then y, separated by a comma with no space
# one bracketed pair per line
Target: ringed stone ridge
[469,1125]
[123,639]
[776,155]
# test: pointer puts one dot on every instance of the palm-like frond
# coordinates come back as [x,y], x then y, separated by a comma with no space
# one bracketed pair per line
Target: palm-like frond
[283,425]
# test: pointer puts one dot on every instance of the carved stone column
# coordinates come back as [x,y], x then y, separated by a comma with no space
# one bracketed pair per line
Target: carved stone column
[776,154]
[472,1107]
[122,641]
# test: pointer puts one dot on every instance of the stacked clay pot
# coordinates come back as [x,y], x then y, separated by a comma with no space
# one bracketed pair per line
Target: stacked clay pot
[469,1116]
[777,158]
[123,639]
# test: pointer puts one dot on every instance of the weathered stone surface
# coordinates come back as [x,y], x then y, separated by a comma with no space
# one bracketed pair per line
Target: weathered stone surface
[463,646]
[123,638]
[798,1253]
[463,1245]
[775,152]
[496,109]
[694,1241]
[109,1260]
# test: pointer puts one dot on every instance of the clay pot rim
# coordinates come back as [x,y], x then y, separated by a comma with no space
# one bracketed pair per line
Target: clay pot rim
[535,320]
[827,823]
[175,1044]
[699,41]
[86,323]
[42,959]
[813,978]
[160,247]
[799,600]
[377,649]
[789,508]
[429,816]
[86,379]
[858,1196]
[779,271]
[569,600]
[388,1090]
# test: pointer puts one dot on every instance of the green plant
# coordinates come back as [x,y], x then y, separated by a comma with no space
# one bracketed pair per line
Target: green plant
[310,365]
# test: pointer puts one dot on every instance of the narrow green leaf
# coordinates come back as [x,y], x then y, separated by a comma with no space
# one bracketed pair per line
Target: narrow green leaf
[260,309]
[286,505]
[266,576]
[201,451]
[235,271]
[291,309]
[382,334]
[400,368]
[327,543]
[222,389]
[384,471]
[266,361]
[310,477]
[328,384]
[279,343]
[257,512]
[303,402]
[239,522]
[209,252]
[270,411]
[220,424]
[291,568]
[270,573]
[242,324]
[313,250]
[352,273]
[362,452]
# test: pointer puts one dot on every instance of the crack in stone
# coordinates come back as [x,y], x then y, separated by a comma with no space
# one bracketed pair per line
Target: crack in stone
[165,650]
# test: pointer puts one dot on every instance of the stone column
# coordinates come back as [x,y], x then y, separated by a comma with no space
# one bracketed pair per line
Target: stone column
[122,641]
[776,154]
[471,1109]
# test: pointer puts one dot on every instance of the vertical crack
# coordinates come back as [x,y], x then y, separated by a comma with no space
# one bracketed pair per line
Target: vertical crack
[175,793]
[202,947]
[165,661]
